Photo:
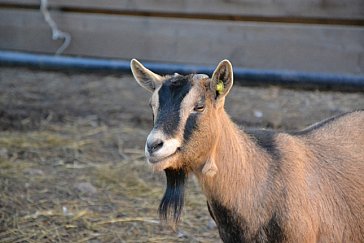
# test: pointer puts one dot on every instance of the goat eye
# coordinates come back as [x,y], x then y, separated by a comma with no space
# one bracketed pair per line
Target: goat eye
[199,108]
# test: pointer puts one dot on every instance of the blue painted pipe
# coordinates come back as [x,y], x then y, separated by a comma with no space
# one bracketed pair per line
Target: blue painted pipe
[242,76]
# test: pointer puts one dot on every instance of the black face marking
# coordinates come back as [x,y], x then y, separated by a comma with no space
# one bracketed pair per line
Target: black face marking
[266,140]
[171,95]
[170,208]
[190,126]
[233,228]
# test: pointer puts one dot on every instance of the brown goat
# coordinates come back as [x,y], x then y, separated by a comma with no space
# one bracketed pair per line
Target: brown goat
[261,186]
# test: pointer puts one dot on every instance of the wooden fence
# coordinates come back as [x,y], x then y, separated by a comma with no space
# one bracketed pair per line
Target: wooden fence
[314,36]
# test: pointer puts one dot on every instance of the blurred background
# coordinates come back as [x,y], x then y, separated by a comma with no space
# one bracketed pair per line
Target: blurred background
[73,121]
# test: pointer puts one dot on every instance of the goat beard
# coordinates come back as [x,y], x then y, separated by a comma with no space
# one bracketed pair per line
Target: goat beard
[170,208]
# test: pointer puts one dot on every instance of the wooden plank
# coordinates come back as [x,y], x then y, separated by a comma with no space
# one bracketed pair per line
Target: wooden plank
[333,9]
[250,45]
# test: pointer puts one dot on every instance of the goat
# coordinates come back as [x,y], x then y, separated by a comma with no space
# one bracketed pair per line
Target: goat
[260,185]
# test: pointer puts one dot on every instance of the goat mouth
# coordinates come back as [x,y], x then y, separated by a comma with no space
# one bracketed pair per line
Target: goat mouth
[156,160]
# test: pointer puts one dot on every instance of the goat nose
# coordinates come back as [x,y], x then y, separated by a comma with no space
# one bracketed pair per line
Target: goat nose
[154,146]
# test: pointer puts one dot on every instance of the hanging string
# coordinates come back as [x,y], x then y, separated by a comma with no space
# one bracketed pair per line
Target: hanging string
[57,34]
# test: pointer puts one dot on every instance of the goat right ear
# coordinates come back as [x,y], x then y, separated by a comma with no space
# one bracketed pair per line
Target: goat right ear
[222,79]
[145,78]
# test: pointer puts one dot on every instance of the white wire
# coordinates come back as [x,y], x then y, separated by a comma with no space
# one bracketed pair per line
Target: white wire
[56,32]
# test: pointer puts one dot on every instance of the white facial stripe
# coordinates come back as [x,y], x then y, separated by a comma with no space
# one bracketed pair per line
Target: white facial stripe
[155,102]
[187,105]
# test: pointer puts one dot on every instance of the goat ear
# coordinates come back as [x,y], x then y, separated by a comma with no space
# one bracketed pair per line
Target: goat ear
[145,78]
[222,79]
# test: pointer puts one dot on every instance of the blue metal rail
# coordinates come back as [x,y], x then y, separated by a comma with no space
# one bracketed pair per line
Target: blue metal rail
[251,77]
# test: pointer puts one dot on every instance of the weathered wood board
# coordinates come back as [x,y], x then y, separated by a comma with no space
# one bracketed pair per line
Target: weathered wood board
[174,31]
[316,48]
[334,9]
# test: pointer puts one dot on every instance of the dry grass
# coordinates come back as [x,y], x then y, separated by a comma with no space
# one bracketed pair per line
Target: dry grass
[79,183]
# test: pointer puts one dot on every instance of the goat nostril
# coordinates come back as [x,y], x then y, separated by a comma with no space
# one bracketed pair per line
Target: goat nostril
[155,146]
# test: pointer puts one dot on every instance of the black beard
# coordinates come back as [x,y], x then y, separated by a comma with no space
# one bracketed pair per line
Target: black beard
[170,208]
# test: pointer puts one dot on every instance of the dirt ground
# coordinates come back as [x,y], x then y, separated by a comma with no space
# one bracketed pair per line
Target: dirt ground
[72,163]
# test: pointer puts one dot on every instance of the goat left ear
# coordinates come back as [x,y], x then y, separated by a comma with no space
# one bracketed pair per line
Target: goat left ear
[145,78]
[222,79]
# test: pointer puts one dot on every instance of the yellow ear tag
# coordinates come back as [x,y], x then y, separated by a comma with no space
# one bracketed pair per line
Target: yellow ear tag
[220,87]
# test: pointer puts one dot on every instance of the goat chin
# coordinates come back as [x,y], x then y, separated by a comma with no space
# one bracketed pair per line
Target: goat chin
[159,166]
[171,162]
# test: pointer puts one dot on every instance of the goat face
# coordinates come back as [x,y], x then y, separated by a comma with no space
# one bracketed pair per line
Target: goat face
[185,109]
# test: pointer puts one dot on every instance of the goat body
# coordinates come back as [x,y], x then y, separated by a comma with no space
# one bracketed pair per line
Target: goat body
[306,186]
[260,185]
